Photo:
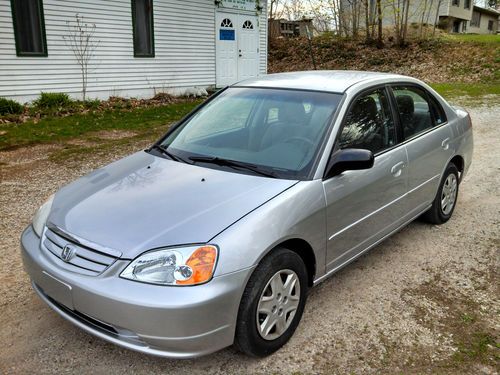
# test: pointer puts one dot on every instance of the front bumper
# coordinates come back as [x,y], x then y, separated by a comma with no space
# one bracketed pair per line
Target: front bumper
[176,322]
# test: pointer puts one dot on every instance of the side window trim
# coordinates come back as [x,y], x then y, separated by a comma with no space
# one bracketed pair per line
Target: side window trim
[382,86]
[429,98]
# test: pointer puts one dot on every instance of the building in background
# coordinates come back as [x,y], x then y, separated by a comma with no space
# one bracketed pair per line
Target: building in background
[286,28]
[461,16]
[484,21]
[454,16]
[145,46]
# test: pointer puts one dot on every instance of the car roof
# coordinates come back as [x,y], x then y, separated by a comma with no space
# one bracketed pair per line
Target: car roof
[335,81]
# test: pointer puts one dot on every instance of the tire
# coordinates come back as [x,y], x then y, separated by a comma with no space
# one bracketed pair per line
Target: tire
[440,213]
[248,338]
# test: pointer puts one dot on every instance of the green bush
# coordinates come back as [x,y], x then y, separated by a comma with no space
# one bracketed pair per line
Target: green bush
[51,100]
[92,104]
[10,107]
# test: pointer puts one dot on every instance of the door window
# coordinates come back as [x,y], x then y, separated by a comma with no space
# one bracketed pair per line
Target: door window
[248,25]
[369,124]
[414,110]
[227,23]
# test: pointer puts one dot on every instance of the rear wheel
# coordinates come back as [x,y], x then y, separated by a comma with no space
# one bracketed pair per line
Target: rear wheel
[272,304]
[446,198]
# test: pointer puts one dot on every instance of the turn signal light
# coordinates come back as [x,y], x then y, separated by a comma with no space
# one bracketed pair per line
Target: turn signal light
[202,264]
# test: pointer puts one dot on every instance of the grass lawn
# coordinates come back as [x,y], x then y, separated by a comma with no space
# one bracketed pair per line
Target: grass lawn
[59,129]
[475,90]
[473,38]
[150,122]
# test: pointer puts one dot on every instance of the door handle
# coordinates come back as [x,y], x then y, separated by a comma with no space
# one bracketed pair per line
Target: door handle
[397,169]
[445,144]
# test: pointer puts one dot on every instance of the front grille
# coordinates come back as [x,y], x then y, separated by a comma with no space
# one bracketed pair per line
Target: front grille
[85,260]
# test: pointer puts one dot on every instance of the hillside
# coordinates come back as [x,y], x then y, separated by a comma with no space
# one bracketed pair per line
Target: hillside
[449,59]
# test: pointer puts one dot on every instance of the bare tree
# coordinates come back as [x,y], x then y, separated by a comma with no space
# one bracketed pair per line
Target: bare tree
[367,20]
[275,9]
[436,20]
[81,40]
[380,36]
[400,9]
[294,9]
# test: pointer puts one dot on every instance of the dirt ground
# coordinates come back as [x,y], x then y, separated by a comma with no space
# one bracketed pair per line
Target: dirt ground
[424,301]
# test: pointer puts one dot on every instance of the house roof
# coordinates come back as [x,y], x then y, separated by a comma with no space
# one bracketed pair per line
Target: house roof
[490,11]
[319,80]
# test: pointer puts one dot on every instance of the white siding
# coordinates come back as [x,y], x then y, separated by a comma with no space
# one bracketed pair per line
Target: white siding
[263,39]
[184,50]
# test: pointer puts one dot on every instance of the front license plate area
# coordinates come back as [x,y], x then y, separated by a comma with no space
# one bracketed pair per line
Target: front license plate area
[56,289]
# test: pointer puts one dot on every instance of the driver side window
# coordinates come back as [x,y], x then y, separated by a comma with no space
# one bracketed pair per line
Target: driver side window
[369,124]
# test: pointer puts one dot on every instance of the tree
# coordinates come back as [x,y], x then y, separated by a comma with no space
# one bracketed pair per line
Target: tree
[380,37]
[367,20]
[81,40]
[400,10]
[436,20]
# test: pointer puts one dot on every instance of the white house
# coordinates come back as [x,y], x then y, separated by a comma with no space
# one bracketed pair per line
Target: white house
[145,46]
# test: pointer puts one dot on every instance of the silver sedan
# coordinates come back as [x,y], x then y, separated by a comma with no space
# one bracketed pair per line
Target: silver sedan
[214,235]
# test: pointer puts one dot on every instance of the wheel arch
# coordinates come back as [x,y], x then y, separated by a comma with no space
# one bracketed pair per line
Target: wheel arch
[459,162]
[303,249]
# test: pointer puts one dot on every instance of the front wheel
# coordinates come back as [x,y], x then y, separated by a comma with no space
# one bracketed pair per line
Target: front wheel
[272,303]
[446,198]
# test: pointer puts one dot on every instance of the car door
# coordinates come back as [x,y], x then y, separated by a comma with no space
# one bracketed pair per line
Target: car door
[365,205]
[427,140]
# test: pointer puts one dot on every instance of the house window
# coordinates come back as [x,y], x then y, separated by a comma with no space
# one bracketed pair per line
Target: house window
[29,27]
[467,4]
[464,26]
[490,25]
[455,3]
[142,24]
[476,19]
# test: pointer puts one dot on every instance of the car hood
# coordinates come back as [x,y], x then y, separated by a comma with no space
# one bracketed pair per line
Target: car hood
[144,202]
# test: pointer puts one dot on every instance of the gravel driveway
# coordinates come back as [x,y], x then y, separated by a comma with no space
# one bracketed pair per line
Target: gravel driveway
[424,301]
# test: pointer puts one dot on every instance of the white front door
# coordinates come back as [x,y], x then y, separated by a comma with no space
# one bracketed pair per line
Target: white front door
[226,49]
[248,47]
[237,48]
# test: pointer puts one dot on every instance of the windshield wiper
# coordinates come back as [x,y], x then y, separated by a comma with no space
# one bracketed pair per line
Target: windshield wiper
[232,163]
[164,151]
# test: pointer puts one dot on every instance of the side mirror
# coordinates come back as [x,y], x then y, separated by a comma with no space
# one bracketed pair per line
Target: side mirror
[349,159]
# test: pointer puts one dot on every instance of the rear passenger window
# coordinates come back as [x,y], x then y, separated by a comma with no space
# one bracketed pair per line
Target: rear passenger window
[414,110]
[437,111]
[369,124]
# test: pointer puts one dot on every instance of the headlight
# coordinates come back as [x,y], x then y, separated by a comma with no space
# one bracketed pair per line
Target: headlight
[41,215]
[174,266]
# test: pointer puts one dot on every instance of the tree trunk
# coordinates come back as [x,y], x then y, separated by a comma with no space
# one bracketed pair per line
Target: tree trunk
[380,37]
[405,24]
[367,21]
[84,84]
[422,19]
[436,20]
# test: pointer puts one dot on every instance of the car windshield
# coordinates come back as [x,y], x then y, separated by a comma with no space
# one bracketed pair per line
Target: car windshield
[255,130]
